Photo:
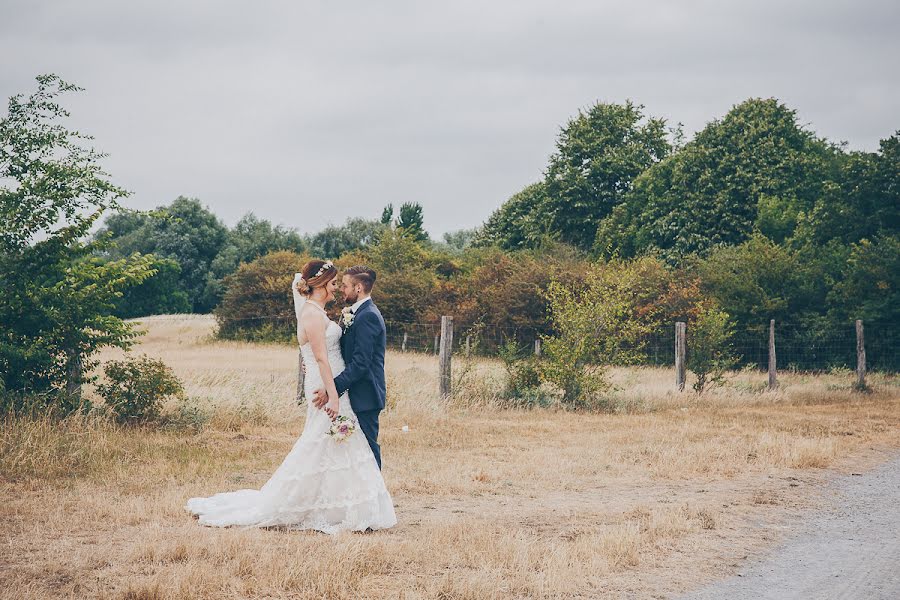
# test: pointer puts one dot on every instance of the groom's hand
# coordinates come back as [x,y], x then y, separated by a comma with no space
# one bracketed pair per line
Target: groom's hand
[320,398]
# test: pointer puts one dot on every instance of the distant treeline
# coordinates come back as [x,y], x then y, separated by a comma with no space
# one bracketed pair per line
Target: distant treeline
[756,213]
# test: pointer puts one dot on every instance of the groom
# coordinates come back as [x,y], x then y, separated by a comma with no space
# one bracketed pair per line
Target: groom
[362,347]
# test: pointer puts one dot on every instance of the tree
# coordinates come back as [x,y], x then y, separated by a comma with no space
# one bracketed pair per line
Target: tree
[335,241]
[756,170]
[863,203]
[518,223]
[598,155]
[185,231]
[258,304]
[387,215]
[459,240]
[411,221]
[160,294]
[56,298]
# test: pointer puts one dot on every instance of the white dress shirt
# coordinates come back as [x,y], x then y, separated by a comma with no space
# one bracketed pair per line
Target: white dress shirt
[359,303]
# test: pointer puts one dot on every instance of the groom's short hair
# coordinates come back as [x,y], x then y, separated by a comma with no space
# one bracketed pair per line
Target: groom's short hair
[363,275]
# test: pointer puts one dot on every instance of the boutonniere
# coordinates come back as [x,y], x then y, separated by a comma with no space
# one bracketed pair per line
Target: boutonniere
[347,317]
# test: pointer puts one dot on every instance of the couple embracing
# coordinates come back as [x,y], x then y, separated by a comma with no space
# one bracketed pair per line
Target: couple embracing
[331,479]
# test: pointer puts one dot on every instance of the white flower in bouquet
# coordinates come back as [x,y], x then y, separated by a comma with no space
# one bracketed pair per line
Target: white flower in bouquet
[341,428]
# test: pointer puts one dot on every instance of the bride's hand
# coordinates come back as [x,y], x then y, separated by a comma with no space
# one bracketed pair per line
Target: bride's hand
[333,407]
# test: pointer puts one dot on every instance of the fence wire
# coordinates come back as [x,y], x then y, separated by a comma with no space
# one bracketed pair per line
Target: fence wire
[797,347]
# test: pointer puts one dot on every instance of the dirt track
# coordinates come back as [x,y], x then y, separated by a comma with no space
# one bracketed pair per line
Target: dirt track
[850,549]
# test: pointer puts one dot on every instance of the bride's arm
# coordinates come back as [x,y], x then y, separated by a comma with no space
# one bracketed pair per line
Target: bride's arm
[314,326]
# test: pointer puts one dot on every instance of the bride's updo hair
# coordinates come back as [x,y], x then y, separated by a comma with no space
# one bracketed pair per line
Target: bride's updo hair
[315,273]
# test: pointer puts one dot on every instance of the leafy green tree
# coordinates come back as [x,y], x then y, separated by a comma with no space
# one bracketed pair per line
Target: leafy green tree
[387,215]
[519,223]
[335,241]
[760,280]
[160,294]
[411,221]
[756,170]
[598,155]
[869,286]
[862,204]
[56,298]
[184,231]
[459,240]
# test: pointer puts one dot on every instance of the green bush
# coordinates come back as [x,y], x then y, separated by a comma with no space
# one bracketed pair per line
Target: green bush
[709,347]
[135,389]
[522,374]
[258,305]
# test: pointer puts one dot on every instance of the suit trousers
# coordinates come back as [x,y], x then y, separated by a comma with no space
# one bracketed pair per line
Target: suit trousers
[368,422]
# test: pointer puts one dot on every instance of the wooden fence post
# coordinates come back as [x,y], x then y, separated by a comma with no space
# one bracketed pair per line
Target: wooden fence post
[680,351]
[537,347]
[403,345]
[301,376]
[773,371]
[860,357]
[437,338]
[468,345]
[446,350]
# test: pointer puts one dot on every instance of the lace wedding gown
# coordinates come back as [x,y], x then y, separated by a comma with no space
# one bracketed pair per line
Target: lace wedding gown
[322,484]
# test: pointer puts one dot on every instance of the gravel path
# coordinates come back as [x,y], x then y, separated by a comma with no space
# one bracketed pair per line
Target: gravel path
[851,549]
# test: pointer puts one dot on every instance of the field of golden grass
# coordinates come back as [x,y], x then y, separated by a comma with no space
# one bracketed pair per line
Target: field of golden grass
[668,492]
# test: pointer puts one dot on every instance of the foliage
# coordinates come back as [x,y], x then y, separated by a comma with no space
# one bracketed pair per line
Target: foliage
[709,353]
[184,231]
[135,389]
[518,223]
[862,204]
[159,294]
[258,302]
[251,238]
[387,215]
[335,241]
[598,155]
[56,299]
[411,221]
[595,324]
[459,240]
[523,375]
[869,286]
[756,170]
[760,280]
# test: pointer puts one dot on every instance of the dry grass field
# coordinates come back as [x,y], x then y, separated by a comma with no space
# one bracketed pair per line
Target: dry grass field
[668,492]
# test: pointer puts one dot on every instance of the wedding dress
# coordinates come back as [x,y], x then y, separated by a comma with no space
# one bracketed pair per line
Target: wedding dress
[323,485]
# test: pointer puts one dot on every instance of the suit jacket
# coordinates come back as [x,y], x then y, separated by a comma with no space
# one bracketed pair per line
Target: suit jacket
[362,346]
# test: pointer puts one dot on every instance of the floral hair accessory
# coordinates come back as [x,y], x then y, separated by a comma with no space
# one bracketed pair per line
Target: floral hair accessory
[326,267]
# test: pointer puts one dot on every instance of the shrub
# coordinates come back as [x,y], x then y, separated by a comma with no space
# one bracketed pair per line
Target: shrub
[522,374]
[595,324]
[709,348]
[136,388]
[258,305]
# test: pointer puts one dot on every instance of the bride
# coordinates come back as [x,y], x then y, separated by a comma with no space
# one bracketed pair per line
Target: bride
[323,484]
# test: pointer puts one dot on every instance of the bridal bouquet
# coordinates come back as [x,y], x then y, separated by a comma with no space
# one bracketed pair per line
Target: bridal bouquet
[341,428]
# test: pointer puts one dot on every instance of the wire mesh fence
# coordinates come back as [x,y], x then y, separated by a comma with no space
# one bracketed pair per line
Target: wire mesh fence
[798,346]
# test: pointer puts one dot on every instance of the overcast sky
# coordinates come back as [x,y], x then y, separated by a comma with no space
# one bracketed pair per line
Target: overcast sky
[309,112]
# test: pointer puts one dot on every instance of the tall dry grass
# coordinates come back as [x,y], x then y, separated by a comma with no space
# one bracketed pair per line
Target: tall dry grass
[494,502]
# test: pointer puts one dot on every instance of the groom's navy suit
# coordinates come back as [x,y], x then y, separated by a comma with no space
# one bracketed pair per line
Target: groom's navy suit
[362,346]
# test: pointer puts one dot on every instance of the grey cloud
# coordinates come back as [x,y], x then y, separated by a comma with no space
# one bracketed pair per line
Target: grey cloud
[308,113]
